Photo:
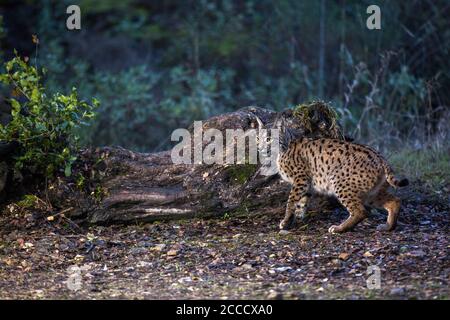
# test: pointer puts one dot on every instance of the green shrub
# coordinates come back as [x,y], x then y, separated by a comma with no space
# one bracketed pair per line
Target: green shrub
[43,125]
[141,105]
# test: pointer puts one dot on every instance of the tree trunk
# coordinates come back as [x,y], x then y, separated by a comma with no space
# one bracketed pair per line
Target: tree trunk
[321,81]
[130,187]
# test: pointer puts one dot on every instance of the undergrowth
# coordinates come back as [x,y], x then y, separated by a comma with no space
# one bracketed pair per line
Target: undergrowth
[430,166]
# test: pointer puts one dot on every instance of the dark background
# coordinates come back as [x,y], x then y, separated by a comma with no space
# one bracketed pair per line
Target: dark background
[159,65]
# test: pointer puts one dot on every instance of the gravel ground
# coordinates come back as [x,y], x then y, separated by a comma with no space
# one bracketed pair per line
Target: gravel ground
[228,258]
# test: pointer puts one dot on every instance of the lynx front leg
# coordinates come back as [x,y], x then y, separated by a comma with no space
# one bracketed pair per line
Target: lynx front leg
[301,207]
[298,191]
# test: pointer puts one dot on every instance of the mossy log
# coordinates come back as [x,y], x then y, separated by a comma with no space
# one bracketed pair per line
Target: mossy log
[130,187]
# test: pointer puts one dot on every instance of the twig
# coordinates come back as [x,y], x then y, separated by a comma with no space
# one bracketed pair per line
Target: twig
[36,55]
[62,212]
[73,224]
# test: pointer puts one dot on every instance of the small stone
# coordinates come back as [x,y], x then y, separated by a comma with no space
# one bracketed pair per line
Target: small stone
[28,245]
[283,232]
[78,258]
[274,295]
[397,291]
[158,247]
[39,293]
[417,253]
[138,251]
[185,280]
[282,269]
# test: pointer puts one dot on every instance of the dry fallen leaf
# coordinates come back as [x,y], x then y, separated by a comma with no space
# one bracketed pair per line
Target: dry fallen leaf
[20,241]
[344,256]
[78,258]
[172,253]
[367,254]
[35,39]
[9,262]
[158,247]
[27,245]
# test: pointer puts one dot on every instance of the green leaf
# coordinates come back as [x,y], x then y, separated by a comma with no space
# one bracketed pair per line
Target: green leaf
[47,133]
[35,95]
[15,105]
[68,170]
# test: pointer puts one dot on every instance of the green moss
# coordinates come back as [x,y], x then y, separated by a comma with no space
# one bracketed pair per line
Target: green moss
[81,182]
[99,193]
[241,173]
[242,210]
[226,216]
[29,201]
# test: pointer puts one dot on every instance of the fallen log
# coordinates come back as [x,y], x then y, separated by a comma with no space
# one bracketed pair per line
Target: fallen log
[128,187]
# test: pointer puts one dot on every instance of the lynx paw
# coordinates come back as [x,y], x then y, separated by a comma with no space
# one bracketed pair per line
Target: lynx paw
[287,224]
[384,227]
[334,229]
[302,216]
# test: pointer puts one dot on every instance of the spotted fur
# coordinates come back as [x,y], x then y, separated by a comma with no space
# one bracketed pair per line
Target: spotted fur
[356,175]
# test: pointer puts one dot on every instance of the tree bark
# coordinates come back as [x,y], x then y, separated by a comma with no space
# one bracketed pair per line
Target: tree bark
[129,187]
[321,81]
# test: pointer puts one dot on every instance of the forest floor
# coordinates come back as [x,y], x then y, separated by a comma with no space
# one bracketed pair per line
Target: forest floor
[230,257]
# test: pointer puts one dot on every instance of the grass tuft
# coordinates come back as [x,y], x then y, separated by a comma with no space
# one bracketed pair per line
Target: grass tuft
[431,165]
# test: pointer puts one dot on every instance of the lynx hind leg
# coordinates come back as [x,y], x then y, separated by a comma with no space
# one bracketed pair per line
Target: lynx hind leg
[387,201]
[298,192]
[357,213]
